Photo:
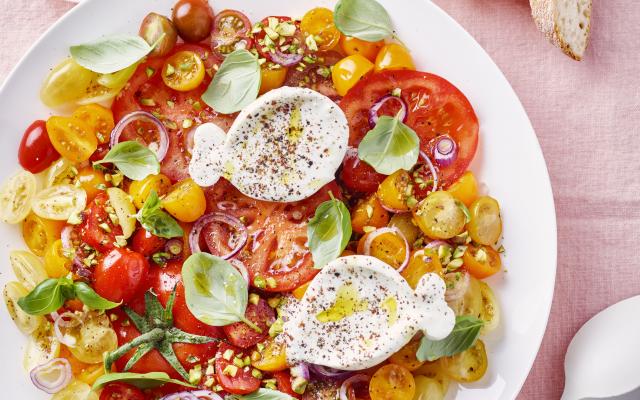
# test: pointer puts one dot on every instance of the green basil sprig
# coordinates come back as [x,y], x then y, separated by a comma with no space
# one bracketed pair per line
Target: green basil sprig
[111,54]
[143,381]
[390,146]
[51,294]
[364,19]
[216,292]
[464,335]
[236,83]
[329,231]
[261,394]
[156,221]
[133,159]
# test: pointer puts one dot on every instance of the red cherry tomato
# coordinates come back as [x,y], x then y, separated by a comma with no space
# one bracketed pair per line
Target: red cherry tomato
[359,176]
[242,382]
[36,153]
[283,383]
[120,275]
[288,48]
[121,391]
[243,336]
[192,19]
[231,31]
[146,243]
[92,230]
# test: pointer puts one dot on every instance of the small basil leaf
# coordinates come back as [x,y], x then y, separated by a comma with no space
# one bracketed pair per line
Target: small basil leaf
[45,298]
[236,84]
[110,54]
[142,381]
[364,19]
[262,394]
[92,299]
[464,335]
[156,221]
[134,160]
[216,292]
[390,146]
[329,232]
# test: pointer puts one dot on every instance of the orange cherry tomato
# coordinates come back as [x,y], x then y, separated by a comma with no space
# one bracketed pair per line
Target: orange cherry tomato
[186,201]
[481,261]
[421,262]
[92,181]
[318,23]
[465,188]
[99,118]
[39,233]
[73,138]
[183,71]
[368,213]
[394,191]
[348,71]
[351,45]
[394,56]
[392,382]
[273,76]
[388,247]
[406,356]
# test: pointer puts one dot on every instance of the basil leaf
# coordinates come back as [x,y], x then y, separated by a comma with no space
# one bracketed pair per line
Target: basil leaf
[216,292]
[236,84]
[329,232]
[47,297]
[364,19]
[92,299]
[142,381]
[464,335]
[134,160]
[390,146]
[156,221]
[262,394]
[110,54]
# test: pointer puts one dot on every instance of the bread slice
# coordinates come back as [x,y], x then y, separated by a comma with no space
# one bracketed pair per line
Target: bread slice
[566,23]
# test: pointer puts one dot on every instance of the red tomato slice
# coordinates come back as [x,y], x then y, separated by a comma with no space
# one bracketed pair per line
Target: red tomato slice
[297,39]
[316,76]
[231,31]
[242,382]
[241,335]
[121,391]
[90,231]
[283,383]
[436,108]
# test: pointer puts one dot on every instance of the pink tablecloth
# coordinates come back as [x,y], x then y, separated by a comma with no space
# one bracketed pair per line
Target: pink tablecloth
[587,117]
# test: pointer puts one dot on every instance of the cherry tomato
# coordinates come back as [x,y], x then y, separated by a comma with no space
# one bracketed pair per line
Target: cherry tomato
[436,107]
[369,213]
[96,219]
[349,71]
[279,40]
[272,357]
[351,45]
[358,175]
[140,190]
[439,216]
[395,190]
[39,233]
[481,261]
[92,181]
[233,379]
[193,19]
[231,31]
[392,382]
[74,139]
[404,223]
[147,243]
[36,153]
[394,56]
[183,71]
[66,83]
[99,118]
[185,201]
[406,356]
[121,391]
[120,275]
[158,30]
[273,76]
[241,335]
[388,247]
[421,262]
[56,263]
[468,366]
[485,226]
[283,383]
[465,188]
[318,23]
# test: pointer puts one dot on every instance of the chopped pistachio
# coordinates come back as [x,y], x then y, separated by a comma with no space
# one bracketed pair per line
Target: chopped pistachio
[459,251]
[170,124]
[411,201]
[247,361]
[170,104]
[256,373]
[230,370]
[117,179]
[238,362]
[309,60]
[276,328]
[257,28]
[75,219]
[120,241]
[396,92]
[197,106]
[150,71]
[161,257]
[260,347]
[369,209]
[228,354]
[255,356]
[209,382]
[210,370]
[187,123]
[148,102]
[195,374]
[271,33]
[254,298]
[454,264]
[368,229]
[271,282]
[311,43]
[274,302]
[481,256]
[170,70]
[286,29]
[259,282]
[324,72]
[501,249]
[270,384]
[105,227]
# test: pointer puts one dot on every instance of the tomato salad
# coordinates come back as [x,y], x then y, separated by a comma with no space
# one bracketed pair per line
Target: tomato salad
[150,274]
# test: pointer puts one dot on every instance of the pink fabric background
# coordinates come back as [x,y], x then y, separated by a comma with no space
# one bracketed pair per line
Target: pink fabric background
[587,118]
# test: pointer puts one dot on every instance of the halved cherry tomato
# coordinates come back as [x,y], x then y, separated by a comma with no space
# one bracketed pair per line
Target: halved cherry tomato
[388,247]
[39,233]
[183,71]
[358,175]
[406,356]
[421,262]
[146,243]
[395,190]
[185,201]
[74,139]
[349,71]
[92,181]
[481,261]
[120,275]
[273,76]
[231,31]
[233,379]
[99,118]
[394,56]
[318,23]
[436,107]
[485,226]
[368,213]
[268,40]
[272,357]
[140,190]
[351,45]
[283,383]
[36,153]
[98,229]
[392,382]
[465,188]
[192,19]
[468,366]
[56,263]
[121,391]
[241,335]
[439,216]
[159,31]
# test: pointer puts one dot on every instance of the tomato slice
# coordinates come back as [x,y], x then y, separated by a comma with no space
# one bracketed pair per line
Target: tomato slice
[316,76]
[92,230]
[121,391]
[240,382]
[287,49]
[283,383]
[241,335]
[231,31]
[435,108]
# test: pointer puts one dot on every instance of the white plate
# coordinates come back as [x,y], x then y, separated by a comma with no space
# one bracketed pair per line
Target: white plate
[509,161]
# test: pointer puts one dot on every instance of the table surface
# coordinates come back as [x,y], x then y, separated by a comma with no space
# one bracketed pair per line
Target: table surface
[586,116]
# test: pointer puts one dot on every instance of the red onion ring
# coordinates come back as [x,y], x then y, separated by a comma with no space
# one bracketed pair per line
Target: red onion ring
[321,371]
[459,287]
[435,244]
[434,174]
[346,385]
[394,210]
[59,323]
[65,237]
[445,150]
[227,205]
[206,395]
[381,231]
[373,111]
[285,59]
[174,247]
[41,374]
[235,223]
[180,396]
[142,115]
[239,265]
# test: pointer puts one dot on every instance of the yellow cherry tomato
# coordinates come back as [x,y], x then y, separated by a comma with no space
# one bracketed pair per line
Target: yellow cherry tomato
[490,309]
[481,261]
[42,346]
[185,201]
[76,390]
[485,226]
[348,71]
[388,247]
[468,366]
[432,370]
[99,118]
[55,262]
[318,23]
[91,373]
[273,76]
[66,83]
[428,389]
[74,139]
[28,268]
[369,50]
[140,190]
[421,262]
[394,191]
[92,181]
[183,71]
[93,338]
[27,323]
[439,216]
[299,292]
[38,233]
[394,56]
[404,222]
[16,195]
[471,302]
[406,356]
[465,188]
[368,213]
[271,358]
[392,382]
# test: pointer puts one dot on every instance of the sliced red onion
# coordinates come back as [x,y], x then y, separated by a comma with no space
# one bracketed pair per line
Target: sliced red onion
[174,247]
[235,223]
[346,385]
[286,59]
[65,237]
[373,111]
[52,376]
[60,323]
[239,265]
[434,173]
[445,150]
[181,396]
[163,146]
[435,244]
[206,395]
[393,210]
[458,288]
[381,231]
[321,371]
[227,205]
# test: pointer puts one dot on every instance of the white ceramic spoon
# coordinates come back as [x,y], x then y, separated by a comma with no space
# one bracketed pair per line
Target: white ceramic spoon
[602,359]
